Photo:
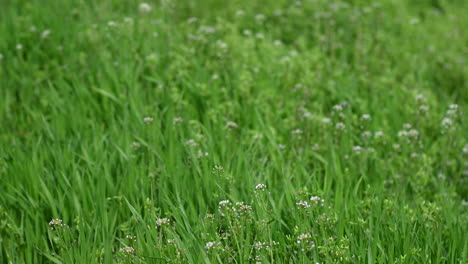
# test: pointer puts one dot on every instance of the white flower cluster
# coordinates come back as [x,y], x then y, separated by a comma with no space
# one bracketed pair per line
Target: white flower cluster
[162,221]
[145,8]
[128,250]
[148,120]
[317,200]
[212,244]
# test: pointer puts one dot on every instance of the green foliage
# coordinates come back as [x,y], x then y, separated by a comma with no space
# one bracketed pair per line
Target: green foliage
[313,131]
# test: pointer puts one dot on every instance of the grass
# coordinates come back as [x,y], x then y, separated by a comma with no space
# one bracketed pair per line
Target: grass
[313,131]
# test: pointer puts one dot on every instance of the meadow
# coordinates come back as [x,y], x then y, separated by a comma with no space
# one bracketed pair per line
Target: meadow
[209,131]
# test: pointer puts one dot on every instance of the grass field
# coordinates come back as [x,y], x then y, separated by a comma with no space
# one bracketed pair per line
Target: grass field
[313,131]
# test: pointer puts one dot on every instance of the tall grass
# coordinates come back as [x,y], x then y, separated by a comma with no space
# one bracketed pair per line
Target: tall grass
[312,131]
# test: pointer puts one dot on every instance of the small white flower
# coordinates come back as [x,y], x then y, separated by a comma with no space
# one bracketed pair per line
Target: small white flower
[453,106]
[303,238]
[127,250]
[162,221]
[296,132]
[128,20]
[338,108]
[326,120]
[424,108]
[224,203]
[407,126]
[240,12]
[19,46]
[277,43]
[447,122]
[402,133]
[111,23]
[211,245]
[357,149]
[191,143]
[420,98]
[148,120]
[413,133]
[177,120]
[56,222]
[379,134]
[45,33]
[315,200]
[340,126]
[231,124]
[192,20]
[145,8]
[366,117]
[260,187]
[302,205]
[247,32]
[260,17]
[366,134]
[465,149]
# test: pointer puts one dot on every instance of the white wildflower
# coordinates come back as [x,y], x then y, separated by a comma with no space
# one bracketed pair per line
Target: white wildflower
[366,134]
[447,122]
[162,221]
[420,98]
[366,117]
[224,203]
[145,8]
[260,187]
[127,250]
[56,222]
[303,238]
[379,134]
[231,124]
[148,120]
[340,126]
[317,200]
[210,245]
[247,32]
[338,108]
[302,205]
[136,145]
[296,132]
[45,33]
[413,133]
[357,149]
[260,17]
[240,12]
[424,108]
[191,143]
[177,120]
